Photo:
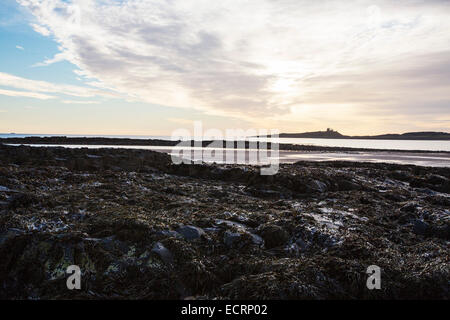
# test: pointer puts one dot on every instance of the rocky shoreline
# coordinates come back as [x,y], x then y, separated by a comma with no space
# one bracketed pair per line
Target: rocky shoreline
[140,227]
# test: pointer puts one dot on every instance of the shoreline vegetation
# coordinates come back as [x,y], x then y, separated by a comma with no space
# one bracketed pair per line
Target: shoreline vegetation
[140,227]
[63,140]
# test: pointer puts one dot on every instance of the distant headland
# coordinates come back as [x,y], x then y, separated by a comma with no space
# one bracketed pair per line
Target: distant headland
[332,134]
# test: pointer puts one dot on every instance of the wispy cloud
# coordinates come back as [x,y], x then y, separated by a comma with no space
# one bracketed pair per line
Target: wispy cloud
[40,29]
[26,94]
[20,47]
[259,58]
[36,88]
[57,58]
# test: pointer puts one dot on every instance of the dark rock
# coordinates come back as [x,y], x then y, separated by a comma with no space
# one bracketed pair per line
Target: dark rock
[274,236]
[230,238]
[410,207]
[421,228]
[10,233]
[400,175]
[231,223]
[424,229]
[190,232]
[163,252]
[23,200]
[442,232]
[436,179]
[169,233]
[346,185]
[262,193]
[392,196]
[426,191]
[445,187]
[242,239]
[418,183]
[438,200]
[318,186]
[434,182]
[256,240]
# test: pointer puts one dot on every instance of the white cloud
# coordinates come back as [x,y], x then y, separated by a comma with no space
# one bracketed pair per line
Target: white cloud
[35,88]
[19,47]
[27,94]
[40,29]
[257,57]
[57,58]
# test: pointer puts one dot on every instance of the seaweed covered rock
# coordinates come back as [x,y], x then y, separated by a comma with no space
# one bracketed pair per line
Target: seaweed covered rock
[190,232]
[140,227]
[274,236]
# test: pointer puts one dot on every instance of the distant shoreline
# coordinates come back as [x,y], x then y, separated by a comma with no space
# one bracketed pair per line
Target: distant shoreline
[331,134]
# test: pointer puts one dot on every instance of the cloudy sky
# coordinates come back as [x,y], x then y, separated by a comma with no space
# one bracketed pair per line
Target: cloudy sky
[149,67]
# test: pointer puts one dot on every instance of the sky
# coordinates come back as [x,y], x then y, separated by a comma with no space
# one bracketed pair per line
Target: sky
[149,67]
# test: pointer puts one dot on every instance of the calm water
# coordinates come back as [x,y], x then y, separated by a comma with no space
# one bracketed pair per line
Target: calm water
[349,143]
